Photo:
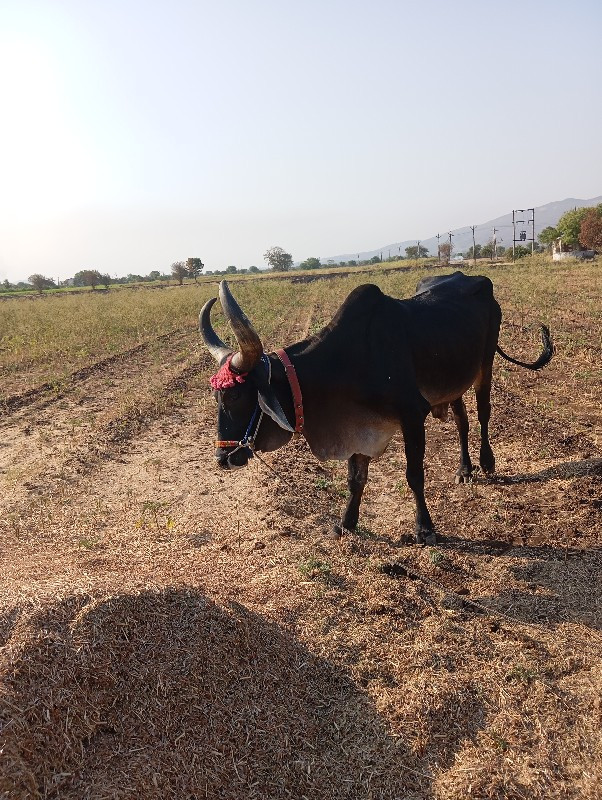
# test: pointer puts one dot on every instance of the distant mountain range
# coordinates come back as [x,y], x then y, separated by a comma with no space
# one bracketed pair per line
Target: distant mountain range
[545,216]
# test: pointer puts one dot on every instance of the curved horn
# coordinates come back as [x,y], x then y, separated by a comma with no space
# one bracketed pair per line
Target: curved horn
[214,344]
[249,342]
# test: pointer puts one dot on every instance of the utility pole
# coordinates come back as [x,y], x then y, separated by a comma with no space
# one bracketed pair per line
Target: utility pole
[514,222]
[532,221]
[494,248]
[450,245]
[418,250]
[438,249]
[474,247]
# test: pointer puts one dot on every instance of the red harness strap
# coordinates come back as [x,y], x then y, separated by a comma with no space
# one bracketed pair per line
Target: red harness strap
[291,375]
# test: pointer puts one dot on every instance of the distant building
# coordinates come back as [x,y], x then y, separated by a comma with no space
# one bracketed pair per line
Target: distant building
[562,251]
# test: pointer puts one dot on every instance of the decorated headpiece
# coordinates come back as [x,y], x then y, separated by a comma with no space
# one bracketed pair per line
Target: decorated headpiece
[225,377]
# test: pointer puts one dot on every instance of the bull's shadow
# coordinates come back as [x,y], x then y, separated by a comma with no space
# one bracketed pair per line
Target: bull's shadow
[166,695]
[562,586]
[565,470]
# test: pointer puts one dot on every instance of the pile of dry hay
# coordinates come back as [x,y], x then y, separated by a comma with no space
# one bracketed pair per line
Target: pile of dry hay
[164,694]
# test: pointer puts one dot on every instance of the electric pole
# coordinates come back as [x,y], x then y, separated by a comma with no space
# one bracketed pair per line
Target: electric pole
[532,221]
[474,247]
[438,249]
[514,221]
[494,248]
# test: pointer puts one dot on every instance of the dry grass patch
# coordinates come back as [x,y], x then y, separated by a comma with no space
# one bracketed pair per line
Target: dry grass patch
[170,631]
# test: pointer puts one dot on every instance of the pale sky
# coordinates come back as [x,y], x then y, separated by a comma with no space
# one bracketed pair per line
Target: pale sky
[136,133]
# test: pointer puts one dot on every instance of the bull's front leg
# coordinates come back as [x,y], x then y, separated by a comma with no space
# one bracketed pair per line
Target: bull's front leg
[357,475]
[414,443]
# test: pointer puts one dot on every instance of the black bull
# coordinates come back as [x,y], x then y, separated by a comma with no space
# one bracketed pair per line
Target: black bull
[381,365]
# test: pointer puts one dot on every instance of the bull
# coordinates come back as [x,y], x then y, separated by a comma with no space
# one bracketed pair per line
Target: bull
[381,365]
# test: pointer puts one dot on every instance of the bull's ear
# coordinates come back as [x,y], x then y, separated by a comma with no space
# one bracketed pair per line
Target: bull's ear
[268,402]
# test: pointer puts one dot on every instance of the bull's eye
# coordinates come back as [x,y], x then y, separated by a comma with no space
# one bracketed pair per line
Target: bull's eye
[234,394]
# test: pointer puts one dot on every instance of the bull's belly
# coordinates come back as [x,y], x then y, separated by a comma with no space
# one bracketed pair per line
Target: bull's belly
[365,435]
[443,378]
[436,395]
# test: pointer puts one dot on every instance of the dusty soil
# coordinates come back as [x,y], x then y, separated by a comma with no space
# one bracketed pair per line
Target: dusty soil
[171,631]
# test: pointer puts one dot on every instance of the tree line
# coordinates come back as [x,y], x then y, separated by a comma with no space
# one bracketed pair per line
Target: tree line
[578,228]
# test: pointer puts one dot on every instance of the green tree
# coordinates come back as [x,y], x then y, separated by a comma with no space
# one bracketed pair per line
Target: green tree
[194,267]
[179,271]
[87,277]
[477,251]
[590,232]
[416,251]
[39,282]
[106,280]
[253,269]
[231,270]
[548,236]
[278,259]
[154,275]
[569,226]
[310,263]
[520,251]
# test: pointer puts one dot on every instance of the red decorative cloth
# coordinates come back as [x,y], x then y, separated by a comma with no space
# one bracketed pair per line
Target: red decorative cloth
[226,378]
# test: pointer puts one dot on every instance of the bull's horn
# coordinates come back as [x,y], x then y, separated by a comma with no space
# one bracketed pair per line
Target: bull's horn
[249,342]
[212,341]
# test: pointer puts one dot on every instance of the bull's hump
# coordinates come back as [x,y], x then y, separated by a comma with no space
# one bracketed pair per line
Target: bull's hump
[362,300]
[457,283]
[366,293]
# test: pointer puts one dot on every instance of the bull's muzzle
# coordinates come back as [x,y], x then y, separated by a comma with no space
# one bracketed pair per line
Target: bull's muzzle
[233,459]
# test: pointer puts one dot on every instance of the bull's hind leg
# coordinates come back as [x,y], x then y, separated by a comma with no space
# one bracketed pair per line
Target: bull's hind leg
[483,393]
[357,475]
[461,419]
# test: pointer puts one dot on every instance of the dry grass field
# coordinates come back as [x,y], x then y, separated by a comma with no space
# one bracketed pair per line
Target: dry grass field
[171,631]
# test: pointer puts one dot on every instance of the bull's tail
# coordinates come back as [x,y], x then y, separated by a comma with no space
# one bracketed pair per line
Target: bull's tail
[544,358]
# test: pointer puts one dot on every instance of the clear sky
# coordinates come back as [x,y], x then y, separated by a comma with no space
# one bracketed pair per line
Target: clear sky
[135,133]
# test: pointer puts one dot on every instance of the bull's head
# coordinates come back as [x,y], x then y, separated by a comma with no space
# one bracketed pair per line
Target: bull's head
[241,400]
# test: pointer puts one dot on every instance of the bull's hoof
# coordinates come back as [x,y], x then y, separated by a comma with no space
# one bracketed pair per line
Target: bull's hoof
[426,537]
[463,476]
[487,462]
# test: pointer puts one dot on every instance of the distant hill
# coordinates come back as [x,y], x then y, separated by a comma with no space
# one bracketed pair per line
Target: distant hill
[545,216]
